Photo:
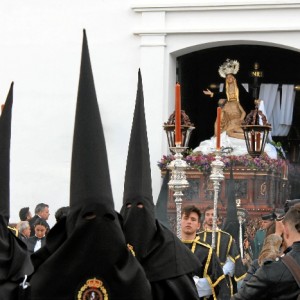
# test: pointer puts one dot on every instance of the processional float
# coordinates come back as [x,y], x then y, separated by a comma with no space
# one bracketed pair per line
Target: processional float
[255,129]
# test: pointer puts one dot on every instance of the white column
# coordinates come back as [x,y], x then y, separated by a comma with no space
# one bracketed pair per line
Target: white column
[152,64]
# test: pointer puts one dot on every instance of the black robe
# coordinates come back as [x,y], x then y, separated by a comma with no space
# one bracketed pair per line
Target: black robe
[169,266]
[211,268]
[79,250]
[14,262]
[226,248]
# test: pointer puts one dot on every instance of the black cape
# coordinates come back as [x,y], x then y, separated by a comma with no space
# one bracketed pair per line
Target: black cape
[211,268]
[226,247]
[86,255]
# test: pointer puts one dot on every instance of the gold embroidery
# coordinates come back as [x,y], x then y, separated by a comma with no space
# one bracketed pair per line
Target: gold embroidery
[208,261]
[14,230]
[218,280]
[92,287]
[239,278]
[218,247]
[130,247]
[212,288]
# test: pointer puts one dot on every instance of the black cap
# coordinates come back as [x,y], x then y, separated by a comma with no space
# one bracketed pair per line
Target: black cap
[290,203]
[92,259]
[14,259]
[271,216]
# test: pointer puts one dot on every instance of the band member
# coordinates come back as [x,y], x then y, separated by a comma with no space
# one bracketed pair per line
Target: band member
[210,279]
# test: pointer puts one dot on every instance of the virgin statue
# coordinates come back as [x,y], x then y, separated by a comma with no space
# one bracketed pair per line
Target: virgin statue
[233,112]
[236,103]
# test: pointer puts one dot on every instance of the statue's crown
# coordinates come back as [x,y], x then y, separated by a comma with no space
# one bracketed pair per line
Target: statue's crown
[229,67]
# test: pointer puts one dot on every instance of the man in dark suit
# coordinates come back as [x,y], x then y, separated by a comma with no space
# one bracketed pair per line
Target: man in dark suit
[41,211]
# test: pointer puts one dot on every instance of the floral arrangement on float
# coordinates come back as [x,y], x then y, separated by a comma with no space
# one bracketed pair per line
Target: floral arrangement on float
[202,162]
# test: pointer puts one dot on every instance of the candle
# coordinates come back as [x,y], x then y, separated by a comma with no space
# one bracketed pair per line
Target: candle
[177,116]
[253,141]
[218,133]
[258,141]
[284,170]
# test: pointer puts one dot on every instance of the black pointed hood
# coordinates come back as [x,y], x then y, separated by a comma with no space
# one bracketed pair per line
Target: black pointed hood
[14,259]
[160,252]
[232,223]
[5,136]
[90,179]
[138,183]
[93,258]
[161,207]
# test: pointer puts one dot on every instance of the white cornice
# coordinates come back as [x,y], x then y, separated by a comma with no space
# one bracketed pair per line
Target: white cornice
[215,30]
[215,5]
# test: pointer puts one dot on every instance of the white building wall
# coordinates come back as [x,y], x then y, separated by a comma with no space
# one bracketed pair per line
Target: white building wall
[40,46]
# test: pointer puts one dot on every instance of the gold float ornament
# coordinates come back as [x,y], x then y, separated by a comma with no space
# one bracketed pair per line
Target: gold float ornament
[93,289]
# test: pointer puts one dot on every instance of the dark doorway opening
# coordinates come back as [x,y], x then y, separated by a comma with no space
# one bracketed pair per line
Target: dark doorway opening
[196,71]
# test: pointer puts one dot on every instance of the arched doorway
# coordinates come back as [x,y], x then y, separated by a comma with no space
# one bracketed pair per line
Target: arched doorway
[197,70]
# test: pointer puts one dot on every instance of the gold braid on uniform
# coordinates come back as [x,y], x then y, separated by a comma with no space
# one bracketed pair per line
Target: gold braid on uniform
[209,256]
[14,230]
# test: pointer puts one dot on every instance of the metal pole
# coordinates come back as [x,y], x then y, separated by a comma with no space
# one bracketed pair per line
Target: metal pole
[178,182]
[241,237]
[216,176]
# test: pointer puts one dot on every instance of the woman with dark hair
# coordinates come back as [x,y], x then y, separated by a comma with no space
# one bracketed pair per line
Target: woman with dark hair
[35,242]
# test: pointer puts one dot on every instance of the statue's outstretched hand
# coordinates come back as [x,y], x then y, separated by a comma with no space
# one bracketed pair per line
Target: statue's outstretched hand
[208,92]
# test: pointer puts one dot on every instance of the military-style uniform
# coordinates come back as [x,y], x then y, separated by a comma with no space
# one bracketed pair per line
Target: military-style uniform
[272,280]
[226,248]
[258,242]
[211,268]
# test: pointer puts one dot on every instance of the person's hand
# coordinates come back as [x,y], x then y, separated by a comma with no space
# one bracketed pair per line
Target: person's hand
[279,227]
[208,92]
[246,243]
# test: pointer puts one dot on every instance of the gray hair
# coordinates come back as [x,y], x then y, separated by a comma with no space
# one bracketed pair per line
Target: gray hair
[40,207]
[21,226]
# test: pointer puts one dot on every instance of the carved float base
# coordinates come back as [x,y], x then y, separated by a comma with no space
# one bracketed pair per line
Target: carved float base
[259,192]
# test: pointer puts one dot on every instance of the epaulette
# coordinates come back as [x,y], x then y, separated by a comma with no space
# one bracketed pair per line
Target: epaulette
[14,230]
